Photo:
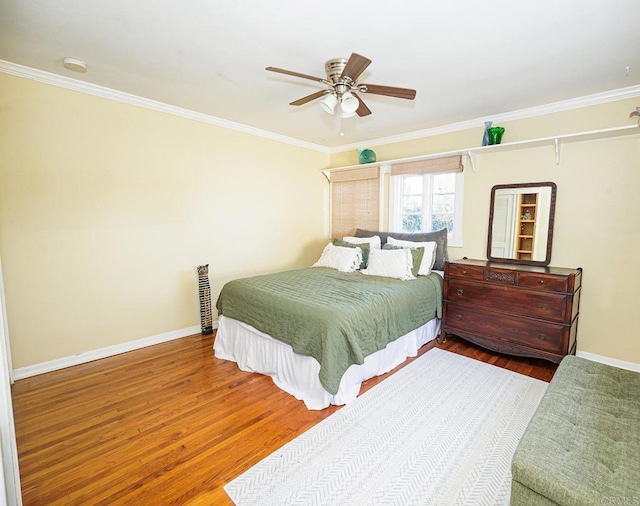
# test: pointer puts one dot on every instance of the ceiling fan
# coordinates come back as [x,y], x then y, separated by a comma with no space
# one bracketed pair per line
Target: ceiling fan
[342,77]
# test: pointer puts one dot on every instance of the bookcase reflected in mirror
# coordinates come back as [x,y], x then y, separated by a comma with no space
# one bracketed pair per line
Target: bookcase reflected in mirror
[521,223]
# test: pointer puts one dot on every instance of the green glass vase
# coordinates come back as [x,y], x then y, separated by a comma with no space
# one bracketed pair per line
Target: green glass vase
[495,134]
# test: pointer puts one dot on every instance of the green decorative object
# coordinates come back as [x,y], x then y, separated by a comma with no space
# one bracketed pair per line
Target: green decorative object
[367,156]
[495,134]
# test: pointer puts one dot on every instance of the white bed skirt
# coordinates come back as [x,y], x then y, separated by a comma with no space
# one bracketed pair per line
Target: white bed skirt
[296,374]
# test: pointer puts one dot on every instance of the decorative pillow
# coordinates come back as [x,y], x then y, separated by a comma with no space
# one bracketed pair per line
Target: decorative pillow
[428,258]
[390,263]
[439,236]
[364,246]
[374,241]
[416,256]
[340,258]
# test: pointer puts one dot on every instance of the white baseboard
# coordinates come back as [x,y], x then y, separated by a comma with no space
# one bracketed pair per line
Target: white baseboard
[631,366]
[109,351]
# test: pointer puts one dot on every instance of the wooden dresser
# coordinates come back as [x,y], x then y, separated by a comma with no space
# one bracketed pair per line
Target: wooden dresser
[514,309]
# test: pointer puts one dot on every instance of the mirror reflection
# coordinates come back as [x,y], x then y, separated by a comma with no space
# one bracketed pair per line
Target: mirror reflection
[521,223]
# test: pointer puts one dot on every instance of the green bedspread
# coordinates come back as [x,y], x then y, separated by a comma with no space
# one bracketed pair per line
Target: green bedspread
[338,318]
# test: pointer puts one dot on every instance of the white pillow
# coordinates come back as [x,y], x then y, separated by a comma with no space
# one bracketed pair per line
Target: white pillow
[375,242]
[429,257]
[340,258]
[390,263]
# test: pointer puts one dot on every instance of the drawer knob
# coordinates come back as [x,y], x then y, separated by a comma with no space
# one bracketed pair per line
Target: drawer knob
[541,281]
[458,317]
[464,272]
[460,291]
[542,337]
[544,306]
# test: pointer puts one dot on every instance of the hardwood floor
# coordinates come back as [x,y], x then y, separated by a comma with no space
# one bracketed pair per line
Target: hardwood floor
[168,424]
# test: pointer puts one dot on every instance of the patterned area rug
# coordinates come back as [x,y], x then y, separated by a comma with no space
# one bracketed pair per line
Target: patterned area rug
[440,431]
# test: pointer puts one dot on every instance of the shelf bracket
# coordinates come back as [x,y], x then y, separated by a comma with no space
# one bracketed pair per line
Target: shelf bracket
[472,158]
[557,144]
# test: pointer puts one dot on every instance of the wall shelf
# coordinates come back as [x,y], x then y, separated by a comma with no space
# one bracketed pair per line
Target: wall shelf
[556,141]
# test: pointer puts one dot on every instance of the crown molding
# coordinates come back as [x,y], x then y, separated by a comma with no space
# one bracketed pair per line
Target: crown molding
[564,105]
[111,94]
[127,98]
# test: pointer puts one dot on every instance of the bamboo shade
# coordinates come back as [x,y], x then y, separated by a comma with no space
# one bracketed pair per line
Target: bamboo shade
[354,174]
[355,200]
[431,165]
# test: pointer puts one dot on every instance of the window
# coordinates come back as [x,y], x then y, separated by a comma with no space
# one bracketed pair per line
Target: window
[427,202]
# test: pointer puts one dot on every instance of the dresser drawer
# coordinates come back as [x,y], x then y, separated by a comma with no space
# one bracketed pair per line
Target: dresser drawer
[541,335]
[466,271]
[547,306]
[543,282]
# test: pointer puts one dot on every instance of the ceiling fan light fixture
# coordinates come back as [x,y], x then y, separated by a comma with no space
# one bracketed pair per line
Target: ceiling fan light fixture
[349,104]
[342,81]
[328,103]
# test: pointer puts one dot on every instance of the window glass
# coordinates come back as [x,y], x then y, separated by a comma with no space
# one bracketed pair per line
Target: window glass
[427,202]
[412,185]
[411,205]
[444,183]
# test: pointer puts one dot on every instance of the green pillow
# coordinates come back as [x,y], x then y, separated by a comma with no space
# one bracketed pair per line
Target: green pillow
[416,256]
[365,246]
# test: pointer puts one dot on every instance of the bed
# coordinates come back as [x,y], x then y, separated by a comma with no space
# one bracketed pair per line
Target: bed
[319,332]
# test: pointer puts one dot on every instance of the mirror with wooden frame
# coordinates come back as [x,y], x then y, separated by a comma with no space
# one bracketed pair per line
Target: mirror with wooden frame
[521,223]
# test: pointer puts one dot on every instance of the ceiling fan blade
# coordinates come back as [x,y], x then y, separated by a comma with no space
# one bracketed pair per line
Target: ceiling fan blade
[389,91]
[355,66]
[296,74]
[309,98]
[362,110]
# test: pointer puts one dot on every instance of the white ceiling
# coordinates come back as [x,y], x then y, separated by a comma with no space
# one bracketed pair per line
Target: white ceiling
[467,59]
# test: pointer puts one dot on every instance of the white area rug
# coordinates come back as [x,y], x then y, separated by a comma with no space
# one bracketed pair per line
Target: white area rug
[440,431]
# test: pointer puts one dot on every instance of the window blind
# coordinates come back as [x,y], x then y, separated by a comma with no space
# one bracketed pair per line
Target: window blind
[355,200]
[431,165]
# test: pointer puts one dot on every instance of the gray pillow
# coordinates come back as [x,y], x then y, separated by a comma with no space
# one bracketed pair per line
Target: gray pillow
[439,237]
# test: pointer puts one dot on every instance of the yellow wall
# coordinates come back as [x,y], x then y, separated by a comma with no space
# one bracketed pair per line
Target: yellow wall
[597,211]
[105,209]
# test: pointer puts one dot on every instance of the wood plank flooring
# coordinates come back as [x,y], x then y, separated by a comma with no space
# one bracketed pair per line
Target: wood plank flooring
[168,424]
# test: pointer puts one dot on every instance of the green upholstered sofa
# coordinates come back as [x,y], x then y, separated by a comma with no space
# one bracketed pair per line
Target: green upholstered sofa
[582,445]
